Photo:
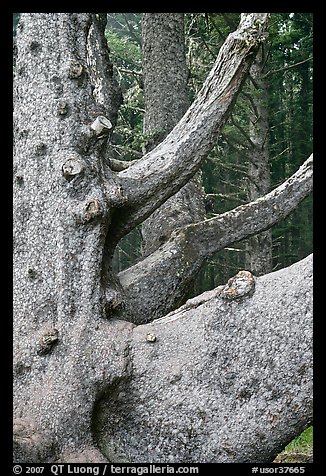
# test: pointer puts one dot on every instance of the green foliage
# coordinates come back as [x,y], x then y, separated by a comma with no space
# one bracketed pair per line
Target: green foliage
[128,140]
[299,450]
[124,53]
[303,443]
[291,101]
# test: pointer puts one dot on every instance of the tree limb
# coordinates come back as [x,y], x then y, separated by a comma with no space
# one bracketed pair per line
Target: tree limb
[106,90]
[286,68]
[247,220]
[163,171]
[189,247]
[233,378]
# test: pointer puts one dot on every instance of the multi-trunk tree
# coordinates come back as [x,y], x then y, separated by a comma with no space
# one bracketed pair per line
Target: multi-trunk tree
[224,378]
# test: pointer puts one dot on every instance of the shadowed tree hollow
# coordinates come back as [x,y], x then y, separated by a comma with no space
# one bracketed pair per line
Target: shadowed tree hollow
[109,367]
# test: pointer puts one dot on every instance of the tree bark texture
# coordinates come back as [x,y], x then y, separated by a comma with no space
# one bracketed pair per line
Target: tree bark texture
[259,247]
[71,354]
[220,380]
[166,98]
[63,200]
[106,90]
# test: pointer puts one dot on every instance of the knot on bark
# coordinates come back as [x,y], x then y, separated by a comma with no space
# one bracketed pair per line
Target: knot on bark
[32,273]
[151,337]
[47,341]
[19,179]
[40,149]
[62,108]
[92,209]
[242,284]
[76,69]
[88,211]
[72,166]
[113,301]
[101,126]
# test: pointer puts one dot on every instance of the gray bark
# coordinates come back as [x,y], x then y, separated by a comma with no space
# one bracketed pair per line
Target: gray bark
[259,247]
[63,201]
[165,76]
[220,381]
[69,208]
[153,287]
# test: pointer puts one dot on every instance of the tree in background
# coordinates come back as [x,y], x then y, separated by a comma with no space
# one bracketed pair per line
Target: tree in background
[290,78]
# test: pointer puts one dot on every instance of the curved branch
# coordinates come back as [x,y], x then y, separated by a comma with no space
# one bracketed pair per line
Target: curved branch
[246,220]
[162,172]
[233,378]
[164,276]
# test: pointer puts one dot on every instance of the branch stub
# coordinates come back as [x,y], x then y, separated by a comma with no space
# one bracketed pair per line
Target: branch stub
[101,126]
[150,337]
[62,108]
[72,167]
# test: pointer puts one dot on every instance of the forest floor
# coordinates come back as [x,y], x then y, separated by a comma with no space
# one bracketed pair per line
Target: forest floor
[300,450]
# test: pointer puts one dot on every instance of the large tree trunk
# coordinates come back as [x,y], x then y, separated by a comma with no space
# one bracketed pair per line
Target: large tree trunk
[166,100]
[70,209]
[61,216]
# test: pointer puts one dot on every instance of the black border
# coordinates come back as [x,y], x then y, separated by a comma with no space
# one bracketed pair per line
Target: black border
[6,201]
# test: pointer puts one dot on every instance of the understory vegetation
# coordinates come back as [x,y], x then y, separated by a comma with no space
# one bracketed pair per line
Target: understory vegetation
[300,450]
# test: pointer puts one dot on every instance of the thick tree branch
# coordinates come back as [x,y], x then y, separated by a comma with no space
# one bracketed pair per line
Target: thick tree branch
[163,171]
[247,220]
[61,220]
[233,377]
[190,246]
